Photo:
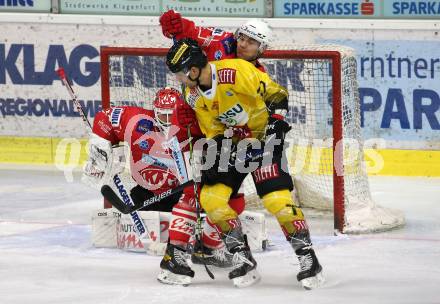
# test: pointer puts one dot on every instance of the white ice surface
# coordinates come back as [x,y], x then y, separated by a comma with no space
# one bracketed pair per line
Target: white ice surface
[46,254]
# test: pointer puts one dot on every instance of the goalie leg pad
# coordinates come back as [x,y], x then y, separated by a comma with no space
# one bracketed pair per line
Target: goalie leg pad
[254,226]
[104,224]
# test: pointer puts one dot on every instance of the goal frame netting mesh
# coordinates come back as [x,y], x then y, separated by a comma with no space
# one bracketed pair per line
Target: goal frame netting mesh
[335,177]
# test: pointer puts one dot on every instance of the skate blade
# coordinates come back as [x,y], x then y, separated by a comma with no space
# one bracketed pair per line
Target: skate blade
[167,277]
[313,282]
[251,278]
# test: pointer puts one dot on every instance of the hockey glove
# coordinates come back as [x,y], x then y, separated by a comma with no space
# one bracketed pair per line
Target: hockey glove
[276,129]
[171,23]
[104,162]
[184,116]
[241,132]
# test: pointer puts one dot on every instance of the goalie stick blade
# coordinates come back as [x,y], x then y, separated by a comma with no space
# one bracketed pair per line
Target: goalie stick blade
[114,199]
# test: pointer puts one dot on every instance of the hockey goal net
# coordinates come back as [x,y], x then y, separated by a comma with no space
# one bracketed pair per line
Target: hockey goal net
[325,151]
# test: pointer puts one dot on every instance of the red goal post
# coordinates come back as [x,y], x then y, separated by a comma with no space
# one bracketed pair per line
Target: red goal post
[324,109]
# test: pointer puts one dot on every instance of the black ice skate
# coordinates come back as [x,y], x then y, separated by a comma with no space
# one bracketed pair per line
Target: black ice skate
[244,273]
[218,257]
[174,268]
[310,274]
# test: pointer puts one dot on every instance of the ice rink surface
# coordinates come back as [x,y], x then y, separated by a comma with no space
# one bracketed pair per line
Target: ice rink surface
[46,254]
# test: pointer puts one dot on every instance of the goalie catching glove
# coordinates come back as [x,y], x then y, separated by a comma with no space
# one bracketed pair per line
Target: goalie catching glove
[100,167]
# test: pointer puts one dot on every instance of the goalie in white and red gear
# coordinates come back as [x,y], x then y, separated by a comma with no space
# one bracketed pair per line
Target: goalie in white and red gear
[151,163]
[152,166]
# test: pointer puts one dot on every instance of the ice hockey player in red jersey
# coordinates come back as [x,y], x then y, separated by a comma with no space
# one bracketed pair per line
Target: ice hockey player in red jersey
[249,41]
[149,135]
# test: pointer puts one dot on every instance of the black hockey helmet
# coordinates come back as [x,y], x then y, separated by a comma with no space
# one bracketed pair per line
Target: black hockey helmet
[184,55]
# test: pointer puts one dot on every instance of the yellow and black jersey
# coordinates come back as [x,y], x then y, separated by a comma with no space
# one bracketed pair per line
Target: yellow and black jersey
[240,95]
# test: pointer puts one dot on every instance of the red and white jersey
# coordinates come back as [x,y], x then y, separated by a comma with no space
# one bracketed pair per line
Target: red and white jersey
[215,42]
[152,163]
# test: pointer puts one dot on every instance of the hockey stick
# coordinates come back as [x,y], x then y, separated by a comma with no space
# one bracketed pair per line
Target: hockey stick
[114,199]
[141,228]
[72,94]
[199,228]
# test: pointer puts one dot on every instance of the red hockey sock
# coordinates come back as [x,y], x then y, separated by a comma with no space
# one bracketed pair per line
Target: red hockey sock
[182,222]
[211,237]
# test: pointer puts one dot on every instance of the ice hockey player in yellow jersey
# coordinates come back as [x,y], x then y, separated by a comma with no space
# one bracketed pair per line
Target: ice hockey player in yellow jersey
[234,101]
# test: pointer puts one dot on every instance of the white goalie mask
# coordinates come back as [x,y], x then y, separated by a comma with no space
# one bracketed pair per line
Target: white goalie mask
[258,30]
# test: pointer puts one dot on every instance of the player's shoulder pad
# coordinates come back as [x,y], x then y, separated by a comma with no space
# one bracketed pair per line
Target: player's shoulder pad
[240,65]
